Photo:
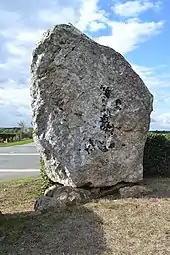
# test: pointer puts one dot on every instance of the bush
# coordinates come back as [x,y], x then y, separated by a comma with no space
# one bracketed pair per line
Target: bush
[31,132]
[157,155]
[46,182]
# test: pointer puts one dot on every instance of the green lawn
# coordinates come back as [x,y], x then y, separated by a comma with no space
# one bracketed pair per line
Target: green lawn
[25,141]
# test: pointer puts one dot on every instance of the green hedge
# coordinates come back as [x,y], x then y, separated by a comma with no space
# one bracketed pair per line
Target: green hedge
[157,155]
[156,160]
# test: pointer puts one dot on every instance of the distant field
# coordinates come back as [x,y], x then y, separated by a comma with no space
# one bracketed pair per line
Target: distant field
[25,141]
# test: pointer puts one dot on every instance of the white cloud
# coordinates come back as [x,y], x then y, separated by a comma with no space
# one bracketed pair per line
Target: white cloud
[152,77]
[17,50]
[12,114]
[8,18]
[90,13]
[57,15]
[85,15]
[157,82]
[133,32]
[134,8]
[160,121]
[22,34]
[95,26]
[15,96]
[29,35]
[14,106]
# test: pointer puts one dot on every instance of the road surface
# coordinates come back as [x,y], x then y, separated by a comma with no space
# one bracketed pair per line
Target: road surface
[19,161]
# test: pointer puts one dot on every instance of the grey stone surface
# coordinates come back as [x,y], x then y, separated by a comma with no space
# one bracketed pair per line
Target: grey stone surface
[58,199]
[46,204]
[91,111]
[136,191]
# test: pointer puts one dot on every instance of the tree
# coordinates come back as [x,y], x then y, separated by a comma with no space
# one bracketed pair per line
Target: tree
[21,124]
[31,132]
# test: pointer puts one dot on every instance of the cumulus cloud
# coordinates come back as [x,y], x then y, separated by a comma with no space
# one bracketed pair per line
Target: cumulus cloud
[16,96]
[134,8]
[153,77]
[84,15]
[158,83]
[160,121]
[126,36]
[14,106]
[51,16]
[89,14]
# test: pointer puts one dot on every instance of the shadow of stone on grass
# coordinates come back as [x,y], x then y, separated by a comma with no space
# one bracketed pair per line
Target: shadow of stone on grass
[160,187]
[79,231]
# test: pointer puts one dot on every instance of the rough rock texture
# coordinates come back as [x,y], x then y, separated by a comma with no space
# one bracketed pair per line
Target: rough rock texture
[91,111]
[58,199]
[136,191]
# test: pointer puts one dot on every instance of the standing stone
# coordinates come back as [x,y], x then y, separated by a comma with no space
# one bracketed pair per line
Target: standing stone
[91,111]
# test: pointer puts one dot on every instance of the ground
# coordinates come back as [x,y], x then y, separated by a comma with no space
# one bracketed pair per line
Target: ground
[103,227]
[24,141]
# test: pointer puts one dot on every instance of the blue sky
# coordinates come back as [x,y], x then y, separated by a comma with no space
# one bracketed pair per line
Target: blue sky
[138,29]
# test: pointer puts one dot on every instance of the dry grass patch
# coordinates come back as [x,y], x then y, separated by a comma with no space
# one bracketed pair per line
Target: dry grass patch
[19,195]
[104,227]
[140,226]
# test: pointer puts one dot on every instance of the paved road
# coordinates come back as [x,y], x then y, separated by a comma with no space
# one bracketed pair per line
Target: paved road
[19,161]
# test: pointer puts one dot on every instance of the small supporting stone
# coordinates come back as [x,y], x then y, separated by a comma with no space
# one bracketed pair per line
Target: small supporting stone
[58,199]
[136,191]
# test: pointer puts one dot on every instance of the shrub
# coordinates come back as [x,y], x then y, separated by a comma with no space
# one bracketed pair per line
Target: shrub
[157,155]
[46,182]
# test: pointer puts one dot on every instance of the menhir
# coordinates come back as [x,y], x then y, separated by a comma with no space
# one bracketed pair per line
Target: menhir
[91,111]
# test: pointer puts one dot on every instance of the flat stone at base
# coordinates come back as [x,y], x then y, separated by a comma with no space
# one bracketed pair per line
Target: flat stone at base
[58,199]
[136,191]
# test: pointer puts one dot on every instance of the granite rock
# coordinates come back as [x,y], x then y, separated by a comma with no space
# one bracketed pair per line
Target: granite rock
[91,111]
[59,199]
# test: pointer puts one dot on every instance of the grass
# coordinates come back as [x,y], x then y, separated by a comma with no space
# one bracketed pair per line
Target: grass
[24,141]
[103,227]
[19,195]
